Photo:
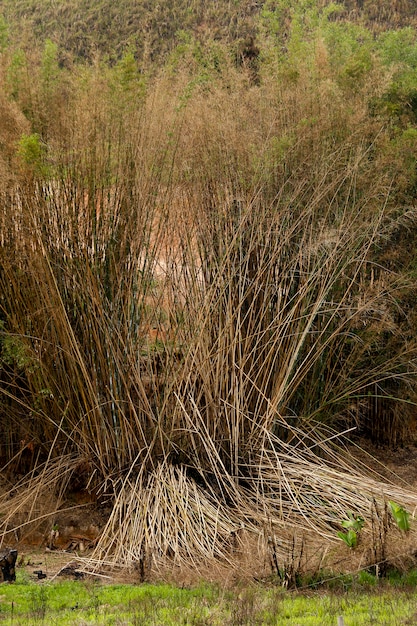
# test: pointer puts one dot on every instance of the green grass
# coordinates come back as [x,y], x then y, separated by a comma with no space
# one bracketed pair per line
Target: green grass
[81,603]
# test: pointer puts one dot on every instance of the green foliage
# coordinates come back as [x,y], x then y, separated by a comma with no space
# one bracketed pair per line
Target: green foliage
[127,83]
[31,149]
[274,17]
[356,69]
[367,579]
[401,579]
[204,62]
[32,153]
[71,602]
[16,73]
[398,48]
[15,353]
[355,523]
[400,515]
[127,71]
[49,69]
[397,51]
[344,41]
[4,33]
[350,538]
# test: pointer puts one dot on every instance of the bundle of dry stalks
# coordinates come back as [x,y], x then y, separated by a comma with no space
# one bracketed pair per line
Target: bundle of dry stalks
[194,331]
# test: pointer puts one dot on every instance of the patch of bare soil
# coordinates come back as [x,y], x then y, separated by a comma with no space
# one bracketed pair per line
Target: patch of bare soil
[60,544]
[60,549]
[76,526]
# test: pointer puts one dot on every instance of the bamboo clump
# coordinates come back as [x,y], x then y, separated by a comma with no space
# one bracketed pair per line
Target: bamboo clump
[188,328]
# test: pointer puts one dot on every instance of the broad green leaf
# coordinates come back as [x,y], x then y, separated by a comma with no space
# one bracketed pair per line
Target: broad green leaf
[400,515]
[350,538]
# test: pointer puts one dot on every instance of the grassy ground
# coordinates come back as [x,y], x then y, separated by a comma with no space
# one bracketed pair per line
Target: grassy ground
[362,601]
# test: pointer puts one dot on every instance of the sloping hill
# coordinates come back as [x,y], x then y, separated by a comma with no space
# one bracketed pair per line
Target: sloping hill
[382,14]
[86,27]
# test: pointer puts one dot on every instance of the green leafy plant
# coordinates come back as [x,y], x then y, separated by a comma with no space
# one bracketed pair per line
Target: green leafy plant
[32,152]
[350,538]
[353,523]
[400,515]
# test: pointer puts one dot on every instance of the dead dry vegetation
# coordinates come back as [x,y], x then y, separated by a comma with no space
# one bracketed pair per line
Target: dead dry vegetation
[197,315]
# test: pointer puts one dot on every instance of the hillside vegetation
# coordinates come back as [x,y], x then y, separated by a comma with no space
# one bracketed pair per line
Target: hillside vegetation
[83,28]
[207,273]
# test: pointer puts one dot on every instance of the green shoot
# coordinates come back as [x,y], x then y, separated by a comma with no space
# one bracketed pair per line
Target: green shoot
[400,515]
[350,538]
[353,523]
